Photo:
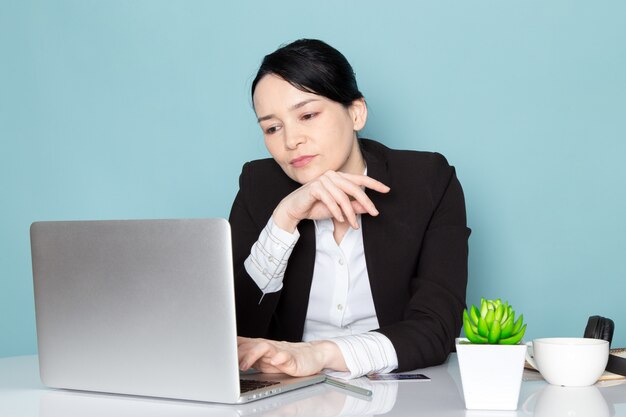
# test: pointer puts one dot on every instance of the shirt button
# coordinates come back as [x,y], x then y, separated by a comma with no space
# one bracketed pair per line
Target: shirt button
[339,307]
[340,261]
[270,258]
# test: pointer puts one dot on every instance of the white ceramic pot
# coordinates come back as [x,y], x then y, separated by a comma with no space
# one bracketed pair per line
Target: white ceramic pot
[491,375]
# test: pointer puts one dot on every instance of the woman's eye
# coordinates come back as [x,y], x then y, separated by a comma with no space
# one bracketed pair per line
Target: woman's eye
[270,130]
[308,116]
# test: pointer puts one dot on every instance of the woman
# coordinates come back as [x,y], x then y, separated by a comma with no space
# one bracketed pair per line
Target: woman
[349,256]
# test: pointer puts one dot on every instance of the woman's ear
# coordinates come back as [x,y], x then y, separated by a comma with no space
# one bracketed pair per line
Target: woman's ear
[358,113]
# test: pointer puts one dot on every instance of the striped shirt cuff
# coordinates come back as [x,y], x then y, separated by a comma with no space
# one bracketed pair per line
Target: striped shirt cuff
[268,257]
[366,353]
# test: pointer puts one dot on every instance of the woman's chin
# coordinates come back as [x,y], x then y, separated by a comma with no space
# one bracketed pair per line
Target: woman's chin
[302,175]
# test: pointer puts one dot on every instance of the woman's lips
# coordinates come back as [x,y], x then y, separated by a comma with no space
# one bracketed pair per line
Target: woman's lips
[301,161]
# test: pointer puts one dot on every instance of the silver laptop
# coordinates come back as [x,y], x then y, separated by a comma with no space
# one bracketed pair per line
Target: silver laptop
[142,307]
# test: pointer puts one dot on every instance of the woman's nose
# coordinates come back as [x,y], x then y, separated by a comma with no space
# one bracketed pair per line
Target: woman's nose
[293,138]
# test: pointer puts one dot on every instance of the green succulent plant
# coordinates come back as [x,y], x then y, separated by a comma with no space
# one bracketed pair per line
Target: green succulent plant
[494,323]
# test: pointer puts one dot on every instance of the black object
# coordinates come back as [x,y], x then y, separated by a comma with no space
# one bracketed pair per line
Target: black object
[599,327]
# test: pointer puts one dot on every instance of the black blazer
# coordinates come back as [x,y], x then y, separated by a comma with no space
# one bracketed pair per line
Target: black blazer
[415,250]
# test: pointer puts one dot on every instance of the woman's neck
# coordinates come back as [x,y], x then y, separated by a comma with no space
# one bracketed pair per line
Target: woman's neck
[355,163]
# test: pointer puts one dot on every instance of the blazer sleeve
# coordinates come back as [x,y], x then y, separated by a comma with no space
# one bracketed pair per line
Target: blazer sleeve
[247,222]
[432,317]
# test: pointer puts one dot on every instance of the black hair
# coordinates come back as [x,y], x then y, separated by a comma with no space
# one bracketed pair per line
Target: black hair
[312,66]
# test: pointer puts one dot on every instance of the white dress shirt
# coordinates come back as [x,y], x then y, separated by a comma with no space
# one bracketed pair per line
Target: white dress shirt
[340,306]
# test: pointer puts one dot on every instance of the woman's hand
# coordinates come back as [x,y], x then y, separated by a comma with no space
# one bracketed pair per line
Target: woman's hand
[332,195]
[296,359]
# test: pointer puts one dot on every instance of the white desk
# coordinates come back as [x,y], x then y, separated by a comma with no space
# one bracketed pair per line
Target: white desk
[22,395]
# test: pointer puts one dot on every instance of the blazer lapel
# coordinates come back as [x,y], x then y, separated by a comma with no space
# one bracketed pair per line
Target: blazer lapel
[289,323]
[375,245]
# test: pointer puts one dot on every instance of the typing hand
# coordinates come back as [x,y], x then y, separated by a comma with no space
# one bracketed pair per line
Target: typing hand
[296,359]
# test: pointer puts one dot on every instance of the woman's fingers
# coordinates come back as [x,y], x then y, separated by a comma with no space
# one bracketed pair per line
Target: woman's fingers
[358,194]
[251,350]
[331,195]
[343,186]
[365,181]
[265,355]
[296,359]
[358,207]
[322,194]
[341,199]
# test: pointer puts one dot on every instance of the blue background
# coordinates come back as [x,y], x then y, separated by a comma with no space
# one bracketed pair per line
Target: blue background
[141,109]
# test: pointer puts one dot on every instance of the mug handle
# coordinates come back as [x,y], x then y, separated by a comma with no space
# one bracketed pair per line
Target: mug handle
[529,355]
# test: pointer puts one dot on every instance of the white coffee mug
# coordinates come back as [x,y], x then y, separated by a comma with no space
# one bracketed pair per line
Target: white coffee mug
[569,361]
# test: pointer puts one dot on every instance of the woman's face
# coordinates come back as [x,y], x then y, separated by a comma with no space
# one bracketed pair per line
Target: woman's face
[308,134]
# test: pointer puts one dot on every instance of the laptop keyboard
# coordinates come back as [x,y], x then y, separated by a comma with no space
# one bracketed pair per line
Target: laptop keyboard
[251,384]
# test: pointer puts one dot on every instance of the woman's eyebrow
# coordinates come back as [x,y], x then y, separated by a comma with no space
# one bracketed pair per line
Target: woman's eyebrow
[302,103]
[294,107]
